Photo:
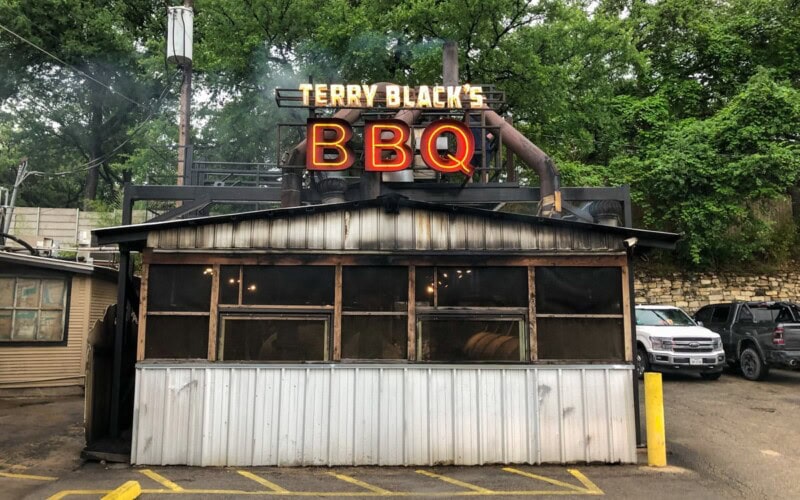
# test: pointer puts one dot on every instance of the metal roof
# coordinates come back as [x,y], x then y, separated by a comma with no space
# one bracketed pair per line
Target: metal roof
[136,234]
[57,264]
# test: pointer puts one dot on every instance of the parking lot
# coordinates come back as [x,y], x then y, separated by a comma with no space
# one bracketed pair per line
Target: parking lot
[728,438]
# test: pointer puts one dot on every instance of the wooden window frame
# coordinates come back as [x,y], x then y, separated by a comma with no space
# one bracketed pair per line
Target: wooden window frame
[65,310]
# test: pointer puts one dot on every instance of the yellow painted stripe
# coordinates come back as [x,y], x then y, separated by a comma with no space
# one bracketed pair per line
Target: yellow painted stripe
[129,490]
[263,482]
[455,482]
[27,476]
[364,485]
[161,480]
[590,486]
[66,493]
[554,482]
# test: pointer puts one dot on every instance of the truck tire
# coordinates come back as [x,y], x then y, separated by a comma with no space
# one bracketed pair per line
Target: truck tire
[751,365]
[642,362]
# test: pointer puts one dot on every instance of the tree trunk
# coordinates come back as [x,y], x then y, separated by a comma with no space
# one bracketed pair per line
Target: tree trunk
[95,151]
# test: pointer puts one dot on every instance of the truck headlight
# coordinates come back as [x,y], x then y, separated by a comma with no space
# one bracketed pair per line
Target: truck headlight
[661,343]
[716,343]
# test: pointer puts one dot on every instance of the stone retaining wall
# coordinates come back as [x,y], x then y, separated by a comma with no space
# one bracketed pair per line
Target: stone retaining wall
[691,291]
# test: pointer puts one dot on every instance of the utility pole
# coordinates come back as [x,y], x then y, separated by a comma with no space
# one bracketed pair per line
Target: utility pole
[22,174]
[180,27]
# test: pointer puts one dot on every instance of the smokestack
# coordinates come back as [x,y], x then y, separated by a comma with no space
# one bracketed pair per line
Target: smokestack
[450,63]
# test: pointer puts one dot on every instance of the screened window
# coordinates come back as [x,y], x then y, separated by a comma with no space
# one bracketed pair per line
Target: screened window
[472,286]
[32,309]
[178,311]
[179,288]
[374,312]
[176,337]
[274,338]
[287,285]
[449,338]
[579,313]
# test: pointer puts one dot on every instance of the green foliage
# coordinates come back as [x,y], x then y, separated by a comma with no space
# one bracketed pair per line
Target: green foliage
[694,103]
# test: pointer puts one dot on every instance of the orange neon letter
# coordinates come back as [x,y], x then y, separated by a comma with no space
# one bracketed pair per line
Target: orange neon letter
[448,162]
[382,154]
[327,148]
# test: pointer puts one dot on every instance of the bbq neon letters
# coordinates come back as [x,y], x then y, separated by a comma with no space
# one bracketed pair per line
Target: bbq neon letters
[386,146]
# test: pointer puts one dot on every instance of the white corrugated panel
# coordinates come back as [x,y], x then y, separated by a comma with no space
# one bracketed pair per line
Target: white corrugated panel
[247,415]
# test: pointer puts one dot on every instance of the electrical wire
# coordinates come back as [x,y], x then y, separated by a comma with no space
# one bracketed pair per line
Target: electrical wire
[73,68]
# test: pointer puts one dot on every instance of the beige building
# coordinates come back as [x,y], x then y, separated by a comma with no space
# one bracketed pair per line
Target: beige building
[47,307]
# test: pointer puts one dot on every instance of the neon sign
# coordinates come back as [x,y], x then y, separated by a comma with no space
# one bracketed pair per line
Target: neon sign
[386,146]
[335,95]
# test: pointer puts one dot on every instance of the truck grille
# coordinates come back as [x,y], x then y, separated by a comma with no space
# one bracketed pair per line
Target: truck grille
[693,345]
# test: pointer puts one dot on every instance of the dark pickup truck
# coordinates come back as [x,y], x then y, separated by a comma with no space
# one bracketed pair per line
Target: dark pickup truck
[756,335]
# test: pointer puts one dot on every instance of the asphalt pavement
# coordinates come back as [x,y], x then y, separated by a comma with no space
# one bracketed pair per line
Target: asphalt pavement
[729,438]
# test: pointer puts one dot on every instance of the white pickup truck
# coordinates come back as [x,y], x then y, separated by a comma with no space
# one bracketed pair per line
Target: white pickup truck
[667,339]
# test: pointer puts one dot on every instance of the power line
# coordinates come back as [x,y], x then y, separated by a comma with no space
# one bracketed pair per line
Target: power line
[73,68]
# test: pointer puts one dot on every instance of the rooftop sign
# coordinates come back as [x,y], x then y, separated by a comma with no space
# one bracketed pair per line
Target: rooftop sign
[395,96]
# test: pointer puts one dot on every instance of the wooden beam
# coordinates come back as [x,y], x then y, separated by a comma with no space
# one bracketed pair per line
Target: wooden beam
[214,318]
[533,340]
[420,259]
[412,314]
[142,312]
[337,315]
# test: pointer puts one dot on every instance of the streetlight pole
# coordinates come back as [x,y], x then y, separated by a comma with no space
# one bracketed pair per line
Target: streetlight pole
[184,127]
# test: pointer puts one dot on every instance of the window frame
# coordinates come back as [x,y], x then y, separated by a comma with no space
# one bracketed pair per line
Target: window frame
[486,315]
[273,315]
[67,278]
[414,310]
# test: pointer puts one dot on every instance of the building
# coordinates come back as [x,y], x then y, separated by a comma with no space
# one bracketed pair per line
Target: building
[47,307]
[384,331]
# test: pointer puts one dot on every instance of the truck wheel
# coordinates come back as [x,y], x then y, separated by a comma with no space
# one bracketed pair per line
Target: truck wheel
[642,363]
[711,376]
[753,368]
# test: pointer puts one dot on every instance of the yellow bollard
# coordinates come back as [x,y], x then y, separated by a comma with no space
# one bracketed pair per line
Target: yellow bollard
[654,410]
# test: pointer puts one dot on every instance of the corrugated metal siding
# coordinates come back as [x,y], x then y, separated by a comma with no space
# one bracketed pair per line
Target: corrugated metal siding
[373,229]
[382,414]
[52,366]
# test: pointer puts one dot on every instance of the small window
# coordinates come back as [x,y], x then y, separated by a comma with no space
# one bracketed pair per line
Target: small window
[578,290]
[458,286]
[458,339]
[374,337]
[32,309]
[745,314]
[179,288]
[287,285]
[176,337]
[374,288]
[720,314]
[274,338]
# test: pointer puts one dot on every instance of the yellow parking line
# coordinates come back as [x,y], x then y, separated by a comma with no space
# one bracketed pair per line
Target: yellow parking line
[263,482]
[590,486]
[66,493]
[129,490]
[455,482]
[364,485]
[554,482]
[161,480]
[27,476]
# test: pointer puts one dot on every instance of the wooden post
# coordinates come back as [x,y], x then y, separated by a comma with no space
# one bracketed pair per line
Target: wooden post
[533,341]
[142,312]
[626,313]
[412,314]
[337,315]
[214,314]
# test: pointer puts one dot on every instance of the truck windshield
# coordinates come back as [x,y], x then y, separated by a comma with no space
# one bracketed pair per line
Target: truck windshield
[662,317]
